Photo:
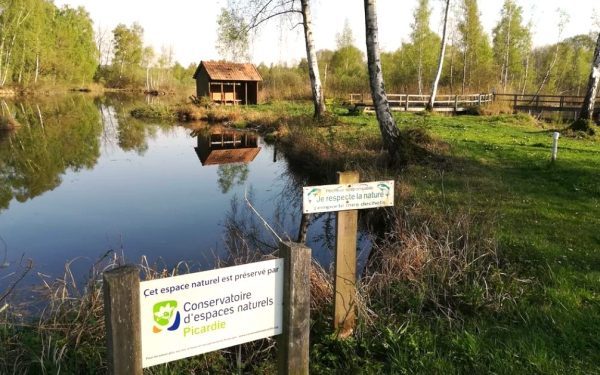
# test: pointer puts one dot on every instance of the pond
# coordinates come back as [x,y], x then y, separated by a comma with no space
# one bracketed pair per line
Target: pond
[81,177]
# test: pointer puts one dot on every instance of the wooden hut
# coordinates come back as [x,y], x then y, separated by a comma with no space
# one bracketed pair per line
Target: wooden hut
[225,147]
[227,83]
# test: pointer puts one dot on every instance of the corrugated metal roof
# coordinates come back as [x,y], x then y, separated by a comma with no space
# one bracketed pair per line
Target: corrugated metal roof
[227,71]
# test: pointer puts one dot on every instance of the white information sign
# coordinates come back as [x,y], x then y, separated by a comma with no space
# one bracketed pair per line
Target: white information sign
[191,314]
[327,198]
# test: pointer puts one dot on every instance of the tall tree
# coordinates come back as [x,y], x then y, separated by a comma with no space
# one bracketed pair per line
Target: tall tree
[128,48]
[441,60]
[563,20]
[387,126]
[584,120]
[347,64]
[233,43]
[475,46]
[254,13]
[346,37]
[423,44]
[511,42]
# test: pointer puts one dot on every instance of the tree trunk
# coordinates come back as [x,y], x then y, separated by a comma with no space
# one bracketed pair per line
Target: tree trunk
[420,69]
[311,57]
[441,61]
[37,68]
[507,55]
[464,78]
[587,110]
[389,132]
[584,120]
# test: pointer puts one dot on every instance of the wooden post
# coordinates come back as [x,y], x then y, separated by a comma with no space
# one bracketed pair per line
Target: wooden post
[562,102]
[345,265]
[455,103]
[122,318]
[479,100]
[515,102]
[293,343]
[406,103]
[222,94]
[246,93]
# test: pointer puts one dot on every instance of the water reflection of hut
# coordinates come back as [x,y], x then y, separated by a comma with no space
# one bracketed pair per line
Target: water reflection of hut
[225,147]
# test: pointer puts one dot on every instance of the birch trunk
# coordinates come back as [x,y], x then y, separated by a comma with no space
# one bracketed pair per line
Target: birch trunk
[389,132]
[37,67]
[311,57]
[441,60]
[587,110]
[507,55]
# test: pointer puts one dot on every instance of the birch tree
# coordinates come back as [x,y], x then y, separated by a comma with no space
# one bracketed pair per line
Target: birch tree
[441,60]
[423,45]
[584,120]
[475,46]
[511,41]
[563,20]
[389,131]
[256,12]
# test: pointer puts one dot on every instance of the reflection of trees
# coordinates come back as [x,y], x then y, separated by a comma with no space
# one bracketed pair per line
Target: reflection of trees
[131,134]
[56,136]
[231,174]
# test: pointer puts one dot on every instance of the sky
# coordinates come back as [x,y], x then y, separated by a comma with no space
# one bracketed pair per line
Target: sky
[190,27]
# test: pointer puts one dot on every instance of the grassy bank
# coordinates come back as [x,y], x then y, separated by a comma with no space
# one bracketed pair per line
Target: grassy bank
[531,303]
[489,263]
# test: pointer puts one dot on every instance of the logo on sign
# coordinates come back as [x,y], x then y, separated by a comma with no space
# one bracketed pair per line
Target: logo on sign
[166,316]
[314,194]
[384,188]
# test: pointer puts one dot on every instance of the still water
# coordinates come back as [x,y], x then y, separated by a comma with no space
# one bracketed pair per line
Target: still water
[81,177]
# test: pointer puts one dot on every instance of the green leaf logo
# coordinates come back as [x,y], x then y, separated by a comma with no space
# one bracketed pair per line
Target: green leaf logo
[163,312]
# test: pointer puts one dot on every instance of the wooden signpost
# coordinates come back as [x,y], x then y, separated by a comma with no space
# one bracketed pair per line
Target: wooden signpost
[344,311]
[345,198]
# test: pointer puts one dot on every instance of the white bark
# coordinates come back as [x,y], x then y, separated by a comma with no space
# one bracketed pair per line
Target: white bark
[37,67]
[587,110]
[389,131]
[507,54]
[441,60]
[311,57]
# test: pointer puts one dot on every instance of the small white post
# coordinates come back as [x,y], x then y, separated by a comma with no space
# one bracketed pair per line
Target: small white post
[555,137]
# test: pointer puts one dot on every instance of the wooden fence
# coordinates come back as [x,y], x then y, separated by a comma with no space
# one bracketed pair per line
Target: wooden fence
[417,103]
[539,103]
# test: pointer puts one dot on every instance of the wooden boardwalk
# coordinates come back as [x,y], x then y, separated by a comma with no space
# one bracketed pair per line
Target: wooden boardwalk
[418,103]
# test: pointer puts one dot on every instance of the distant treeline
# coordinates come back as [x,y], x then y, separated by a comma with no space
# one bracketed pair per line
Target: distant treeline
[44,45]
[41,44]
[474,61]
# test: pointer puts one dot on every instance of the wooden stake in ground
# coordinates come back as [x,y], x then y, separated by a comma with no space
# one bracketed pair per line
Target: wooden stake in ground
[345,265]
[293,343]
[122,315]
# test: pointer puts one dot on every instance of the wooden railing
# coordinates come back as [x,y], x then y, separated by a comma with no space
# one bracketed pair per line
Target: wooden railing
[544,102]
[410,102]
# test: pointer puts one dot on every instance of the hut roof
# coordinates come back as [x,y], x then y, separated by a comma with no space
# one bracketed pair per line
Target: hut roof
[228,71]
[216,157]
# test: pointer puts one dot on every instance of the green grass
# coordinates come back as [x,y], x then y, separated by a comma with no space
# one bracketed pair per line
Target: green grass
[547,220]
